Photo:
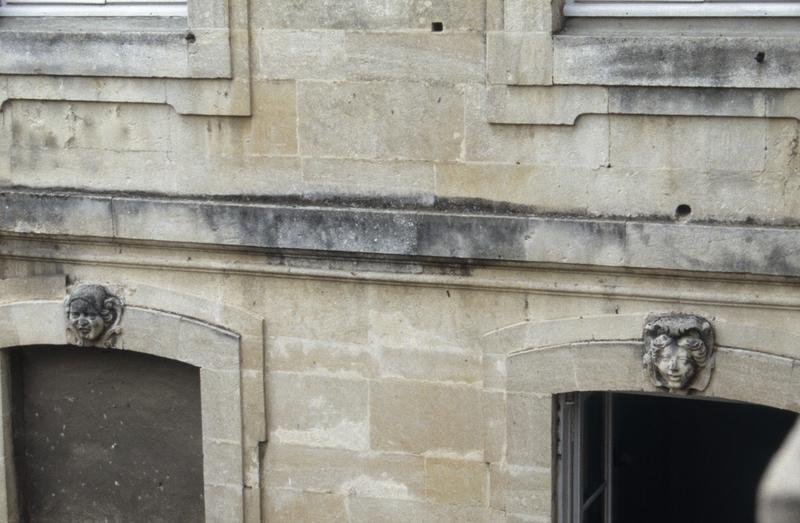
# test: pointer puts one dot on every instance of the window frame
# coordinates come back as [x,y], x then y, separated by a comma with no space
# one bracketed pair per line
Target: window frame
[198,64]
[116,8]
[570,409]
[546,69]
[680,8]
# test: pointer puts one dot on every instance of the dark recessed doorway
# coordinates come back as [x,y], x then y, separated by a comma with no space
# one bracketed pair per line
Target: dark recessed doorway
[106,435]
[632,458]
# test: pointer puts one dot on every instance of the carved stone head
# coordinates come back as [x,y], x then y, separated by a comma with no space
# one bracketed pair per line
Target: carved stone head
[678,352]
[93,315]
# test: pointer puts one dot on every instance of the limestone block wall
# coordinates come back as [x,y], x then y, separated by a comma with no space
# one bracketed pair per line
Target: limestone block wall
[391,337]
[362,99]
[392,400]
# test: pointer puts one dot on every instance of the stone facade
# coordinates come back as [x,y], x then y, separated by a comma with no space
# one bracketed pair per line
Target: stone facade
[394,243]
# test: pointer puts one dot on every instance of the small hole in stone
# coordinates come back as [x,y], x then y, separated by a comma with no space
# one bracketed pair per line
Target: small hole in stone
[437,27]
[190,38]
[682,211]
[760,57]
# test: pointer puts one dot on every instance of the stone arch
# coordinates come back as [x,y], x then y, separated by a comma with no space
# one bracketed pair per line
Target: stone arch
[754,363]
[533,361]
[224,343]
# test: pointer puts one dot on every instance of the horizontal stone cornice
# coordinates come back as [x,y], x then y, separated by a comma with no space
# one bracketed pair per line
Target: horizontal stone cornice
[456,236]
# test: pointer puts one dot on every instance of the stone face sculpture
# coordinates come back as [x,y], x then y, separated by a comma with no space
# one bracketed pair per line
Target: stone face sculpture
[678,351]
[93,315]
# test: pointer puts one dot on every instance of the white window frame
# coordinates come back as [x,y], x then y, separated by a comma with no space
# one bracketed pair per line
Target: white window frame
[569,431]
[680,8]
[13,8]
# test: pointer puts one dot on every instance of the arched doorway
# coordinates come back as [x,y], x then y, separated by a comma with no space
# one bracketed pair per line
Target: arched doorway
[169,325]
[106,435]
[535,362]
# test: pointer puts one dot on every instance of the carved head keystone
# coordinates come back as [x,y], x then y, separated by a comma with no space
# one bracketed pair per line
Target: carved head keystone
[93,315]
[678,351]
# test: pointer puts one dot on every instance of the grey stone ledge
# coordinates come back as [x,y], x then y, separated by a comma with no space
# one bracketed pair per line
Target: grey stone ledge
[150,54]
[676,60]
[453,236]
[562,105]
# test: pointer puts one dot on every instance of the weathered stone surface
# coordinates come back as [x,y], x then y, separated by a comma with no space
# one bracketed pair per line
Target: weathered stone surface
[396,231]
[159,53]
[33,323]
[420,417]
[318,411]
[207,347]
[355,15]
[442,58]
[324,357]
[441,366]
[529,435]
[334,313]
[48,167]
[374,475]
[543,188]
[223,462]
[494,15]
[366,510]
[780,104]
[456,482]
[561,331]
[519,58]
[754,377]
[674,60]
[523,492]
[224,502]
[747,249]
[495,429]
[687,102]
[221,400]
[326,176]
[678,144]
[433,57]
[76,88]
[32,288]
[555,105]
[528,15]
[282,55]
[271,131]
[395,322]
[372,120]
[591,366]
[296,506]
[585,144]
[82,125]
[51,215]
[494,371]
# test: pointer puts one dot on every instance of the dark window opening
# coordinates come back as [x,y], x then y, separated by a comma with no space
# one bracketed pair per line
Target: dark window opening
[628,458]
[106,435]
